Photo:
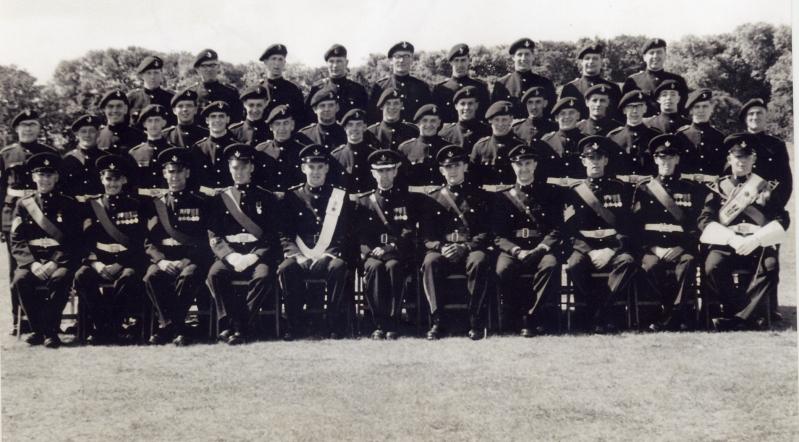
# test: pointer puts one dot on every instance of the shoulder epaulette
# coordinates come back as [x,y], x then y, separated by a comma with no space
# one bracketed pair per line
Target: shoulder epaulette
[307,127]
[373,125]
[406,142]
[236,125]
[167,129]
[9,147]
[338,148]
[683,128]
[200,140]
[486,139]
[613,131]
[296,186]
[366,194]
[548,136]
[430,192]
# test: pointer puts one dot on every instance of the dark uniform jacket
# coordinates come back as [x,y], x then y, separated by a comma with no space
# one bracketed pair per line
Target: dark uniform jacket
[185,135]
[352,170]
[15,179]
[149,174]
[282,91]
[207,93]
[583,223]
[306,208]
[420,167]
[278,164]
[490,162]
[187,212]
[532,128]
[442,225]
[328,136]
[79,176]
[538,223]
[647,81]
[250,132]
[658,226]
[601,127]
[512,87]
[666,123]
[773,163]
[208,161]
[577,87]
[391,135]
[119,138]
[142,97]
[128,215]
[30,243]
[444,92]
[705,152]
[414,92]
[400,211]
[633,156]
[465,133]
[563,157]
[351,94]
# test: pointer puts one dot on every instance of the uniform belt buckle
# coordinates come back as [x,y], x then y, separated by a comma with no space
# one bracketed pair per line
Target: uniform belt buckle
[456,237]
[525,233]
[384,238]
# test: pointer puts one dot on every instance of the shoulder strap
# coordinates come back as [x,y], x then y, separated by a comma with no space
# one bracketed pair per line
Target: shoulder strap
[41,220]
[245,221]
[513,196]
[740,198]
[454,206]
[332,212]
[108,225]
[663,197]
[163,219]
[588,196]
[376,207]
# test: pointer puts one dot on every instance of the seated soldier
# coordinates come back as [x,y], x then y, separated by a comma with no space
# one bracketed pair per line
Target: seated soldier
[597,101]
[597,218]
[469,127]
[208,153]
[326,132]
[669,119]
[742,223]
[244,221]
[392,131]
[186,132]
[279,158]
[384,230]
[80,179]
[561,159]
[704,144]
[148,177]
[314,242]
[455,234]
[536,125]
[351,168]
[252,130]
[632,157]
[666,208]
[420,152]
[177,245]
[113,232]
[45,243]
[489,156]
[526,223]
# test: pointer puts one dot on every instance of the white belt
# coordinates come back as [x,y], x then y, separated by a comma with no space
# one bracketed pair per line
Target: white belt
[745,228]
[598,234]
[241,238]
[20,193]
[84,198]
[210,191]
[155,193]
[663,227]
[111,248]
[170,242]
[44,242]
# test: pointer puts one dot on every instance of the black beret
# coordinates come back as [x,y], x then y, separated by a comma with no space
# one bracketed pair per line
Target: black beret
[522,43]
[275,49]
[464,92]
[336,50]
[44,161]
[459,50]
[653,43]
[754,102]
[740,144]
[601,89]
[85,120]
[667,85]
[205,55]
[114,163]
[427,109]
[254,92]
[216,106]
[595,144]
[184,95]
[239,151]
[593,48]
[353,114]
[27,114]
[388,93]
[634,96]
[175,155]
[535,91]
[499,108]
[664,144]
[525,152]
[279,113]
[314,153]
[324,94]
[384,159]
[401,46]
[150,62]
[115,94]
[697,96]
[451,154]
[566,103]
[152,110]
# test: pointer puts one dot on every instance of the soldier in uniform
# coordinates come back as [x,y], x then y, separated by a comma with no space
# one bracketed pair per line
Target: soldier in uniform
[186,132]
[469,127]
[597,218]
[351,167]
[117,136]
[45,244]
[325,132]
[15,181]
[282,91]
[668,96]
[666,208]
[351,94]
[278,159]
[412,91]
[742,223]
[536,125]
[654,55]
[208,153]
[526,220]
[243,232]
[80,177]
[211,90]
[444,91]
[385,225]
[315,243]
[561,159]
[455,230]
[252,130]
[489,157]
[633,156]
[599,122]
[704,143]
[149,177]
[392,130]
[151,72]
[420,152]
[114,232]
[177,245]
[512,86]
[590,57]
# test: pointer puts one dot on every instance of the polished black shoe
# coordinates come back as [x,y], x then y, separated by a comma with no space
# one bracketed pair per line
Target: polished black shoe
[378,335]
[181,341]
[475,335]
[527,333]
[35,339]
[434,333]
[392,335]
[727,324]
[654,327]
[236,339]
[13,331]
[225,334]
[160,337]
[52,341]
[335,336]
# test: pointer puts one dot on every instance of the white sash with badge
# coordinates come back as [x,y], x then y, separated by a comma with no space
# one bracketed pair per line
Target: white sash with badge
[332,212]
[742,198]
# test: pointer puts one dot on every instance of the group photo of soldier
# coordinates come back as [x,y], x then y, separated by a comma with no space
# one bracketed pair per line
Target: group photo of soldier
[409,209]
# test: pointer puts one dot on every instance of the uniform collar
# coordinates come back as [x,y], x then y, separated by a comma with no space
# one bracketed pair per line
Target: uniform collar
[119,126]
[217,139]
[704,125]
[670,179]
[738,180]
[151,91]
[317,189]
[597,180]
[457,188]
[243,187]
[177,194]
[526,188]
[426,139]
[387,192]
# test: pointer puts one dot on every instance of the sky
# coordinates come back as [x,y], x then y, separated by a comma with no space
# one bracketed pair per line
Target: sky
[37,34]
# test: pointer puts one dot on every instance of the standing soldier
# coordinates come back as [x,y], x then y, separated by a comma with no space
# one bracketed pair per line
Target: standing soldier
[315,243]
[392,130]
[252,130]
[208,152]
[512,86]
[149,177]
[633,156]
[351,94]
[243,232]
[282,91]
[599,122]
[186,132]
[597,218]
[117,136]
[325,132]
[561,159]
[590,57]
[444,92]
[114,233]
[526,220]
[151,72]
[455,233]
[45,244]
[647,81]
[81,177]
[668,96]
[704,143]
[177,245]
[15,179]
[469,127]
[420,153]
[351,169]
[279,158]
[211,90]
[490,155]
[412,91]
[384,231]
[536,125]
[743,223]
[666,207]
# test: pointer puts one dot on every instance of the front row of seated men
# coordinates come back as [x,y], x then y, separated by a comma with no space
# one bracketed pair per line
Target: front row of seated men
[645,239]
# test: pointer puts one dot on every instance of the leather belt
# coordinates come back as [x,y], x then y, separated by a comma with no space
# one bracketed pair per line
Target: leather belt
[598,233]
[526,233]
[111,248]
[457,237]
[745,228]
[385,238]
[19,193]
[155,193]
[211,191]
[44,242]
[663,227]
[241,238]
